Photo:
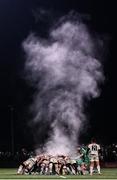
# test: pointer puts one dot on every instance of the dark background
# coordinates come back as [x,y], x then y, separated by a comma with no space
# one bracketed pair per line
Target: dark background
[20,17]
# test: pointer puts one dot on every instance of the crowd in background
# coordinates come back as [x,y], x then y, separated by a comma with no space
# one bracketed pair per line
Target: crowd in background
[109,153]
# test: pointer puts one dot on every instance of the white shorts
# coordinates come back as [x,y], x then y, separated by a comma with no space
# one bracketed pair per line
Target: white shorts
[94,157]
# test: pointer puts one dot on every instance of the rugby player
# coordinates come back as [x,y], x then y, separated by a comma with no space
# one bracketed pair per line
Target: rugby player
[27,166]
[93,150]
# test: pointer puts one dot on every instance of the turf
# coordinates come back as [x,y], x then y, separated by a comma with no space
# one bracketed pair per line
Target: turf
[11,174]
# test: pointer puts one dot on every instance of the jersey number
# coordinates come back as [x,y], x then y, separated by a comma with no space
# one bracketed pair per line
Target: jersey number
[94,148]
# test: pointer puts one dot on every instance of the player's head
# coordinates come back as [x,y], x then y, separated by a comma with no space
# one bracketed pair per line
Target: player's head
[93,140]
[78,149]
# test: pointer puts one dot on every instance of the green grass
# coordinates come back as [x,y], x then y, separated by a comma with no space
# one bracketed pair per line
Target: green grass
[11,174]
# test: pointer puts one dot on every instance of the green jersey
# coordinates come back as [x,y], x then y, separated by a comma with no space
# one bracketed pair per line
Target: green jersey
[85,155]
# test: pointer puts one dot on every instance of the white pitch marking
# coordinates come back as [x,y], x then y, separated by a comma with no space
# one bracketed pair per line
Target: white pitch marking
[63,177]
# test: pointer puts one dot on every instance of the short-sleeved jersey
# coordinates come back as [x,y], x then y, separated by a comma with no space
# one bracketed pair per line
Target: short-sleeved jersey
[94,148]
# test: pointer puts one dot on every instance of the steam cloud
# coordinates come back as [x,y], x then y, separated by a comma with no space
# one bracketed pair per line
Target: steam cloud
[65,71]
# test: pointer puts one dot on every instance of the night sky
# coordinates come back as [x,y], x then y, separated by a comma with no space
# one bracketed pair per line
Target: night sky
[20,17]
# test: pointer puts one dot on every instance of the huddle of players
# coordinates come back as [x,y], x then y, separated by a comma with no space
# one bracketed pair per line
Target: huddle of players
[44,164]
[53,165]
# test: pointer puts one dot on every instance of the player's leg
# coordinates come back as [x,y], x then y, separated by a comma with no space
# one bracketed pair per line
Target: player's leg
[50,168]
[91,167]
[60,166]
[75,167]
[46,169]
[20,169]
[98,166]
[30,167]
[42,168]
[64,170]
[92,159]
[83,169]
[80,166]
[69,168]
[56,168]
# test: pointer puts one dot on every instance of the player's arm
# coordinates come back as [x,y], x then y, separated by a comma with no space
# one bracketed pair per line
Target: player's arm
[99,152]
[87,151]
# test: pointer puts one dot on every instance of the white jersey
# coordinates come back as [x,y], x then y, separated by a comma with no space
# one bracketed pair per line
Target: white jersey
[29,163]
[94,148]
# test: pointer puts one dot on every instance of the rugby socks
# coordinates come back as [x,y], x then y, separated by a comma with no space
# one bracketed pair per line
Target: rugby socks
[20,170]
[50,168]
[91,170]
[98,168]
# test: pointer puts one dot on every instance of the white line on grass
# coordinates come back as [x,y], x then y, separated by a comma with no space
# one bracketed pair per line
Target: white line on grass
[62,177]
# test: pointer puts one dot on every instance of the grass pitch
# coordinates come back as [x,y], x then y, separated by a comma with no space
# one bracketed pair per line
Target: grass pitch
[11,174]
